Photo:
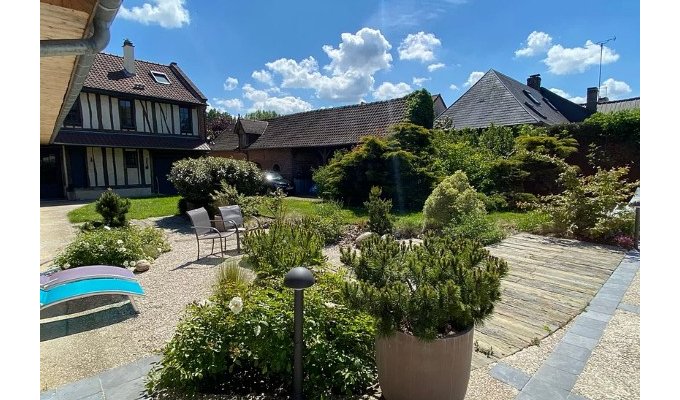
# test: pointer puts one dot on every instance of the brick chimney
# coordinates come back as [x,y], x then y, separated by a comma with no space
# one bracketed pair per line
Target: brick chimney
[534,81]
[591,99]
[129,57]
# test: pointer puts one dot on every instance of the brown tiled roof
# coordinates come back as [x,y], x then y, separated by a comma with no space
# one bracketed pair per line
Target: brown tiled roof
[332,126]
[253,126]
[130,140]
[226,140]
[107,74]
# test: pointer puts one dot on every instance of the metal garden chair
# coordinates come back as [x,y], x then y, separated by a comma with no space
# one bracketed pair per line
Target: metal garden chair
[200,223]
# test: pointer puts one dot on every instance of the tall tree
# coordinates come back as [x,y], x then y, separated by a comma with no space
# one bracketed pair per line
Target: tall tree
[262,115]
[420,108]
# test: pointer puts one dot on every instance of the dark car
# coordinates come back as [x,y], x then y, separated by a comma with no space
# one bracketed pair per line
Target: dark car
[273,180]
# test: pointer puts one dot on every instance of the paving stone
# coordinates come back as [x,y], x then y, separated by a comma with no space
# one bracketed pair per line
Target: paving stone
[96,396]
[541,390]
[510,375]
[593,333]
[578,340]
[598,316]
[525,396]
[591,323]
[573,396]
[48,395]
[118,376]
[609,296]
[557,377]
[565,363]
[131,390]
[630,308]
[573,351]
[601,308]
[79,389]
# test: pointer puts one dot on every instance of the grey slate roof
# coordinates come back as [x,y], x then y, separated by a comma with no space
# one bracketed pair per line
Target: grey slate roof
[130,140]
[498,99]
[253,126]
[332,126]
[228,139]
[618,105]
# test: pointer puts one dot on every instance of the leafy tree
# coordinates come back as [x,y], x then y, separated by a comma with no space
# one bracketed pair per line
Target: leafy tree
[499,140]
[420,108]
[262,115]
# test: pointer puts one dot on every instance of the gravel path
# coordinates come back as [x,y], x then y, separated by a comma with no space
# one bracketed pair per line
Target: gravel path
[174,280]
[55,230]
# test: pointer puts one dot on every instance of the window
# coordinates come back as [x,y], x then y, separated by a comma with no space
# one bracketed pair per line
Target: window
[549,104]
[131,160]
[74,117]
[530,96]
[127,114]
[160,77]
[185,120]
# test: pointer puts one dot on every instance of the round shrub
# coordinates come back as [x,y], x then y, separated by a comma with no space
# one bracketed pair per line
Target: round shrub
[197,178]
[451,201]
[112,208]
[117,246]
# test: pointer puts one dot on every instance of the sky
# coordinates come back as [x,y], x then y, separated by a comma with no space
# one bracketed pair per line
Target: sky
[293,56]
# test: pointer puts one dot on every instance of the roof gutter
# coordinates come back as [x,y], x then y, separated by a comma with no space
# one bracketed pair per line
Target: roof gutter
[85,49]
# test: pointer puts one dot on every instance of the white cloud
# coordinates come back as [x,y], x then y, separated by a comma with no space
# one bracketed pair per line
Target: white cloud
[561,60]
[419,46]
[562,93]
[614,89]
[473,78]
[261,100]
[230,83]
[436,66]
[166,13]
[232,106]
[420,81]
[353,63]
[537,43]
[453,87]
[263,76]
[389,90]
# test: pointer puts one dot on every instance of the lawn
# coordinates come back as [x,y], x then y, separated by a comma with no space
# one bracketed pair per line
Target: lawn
[140,208]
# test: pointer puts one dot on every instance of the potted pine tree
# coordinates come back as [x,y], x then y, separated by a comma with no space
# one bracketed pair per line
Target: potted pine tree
[426,300]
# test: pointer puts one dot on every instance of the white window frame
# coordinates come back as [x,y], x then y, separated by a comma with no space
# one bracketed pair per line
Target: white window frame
[163,74]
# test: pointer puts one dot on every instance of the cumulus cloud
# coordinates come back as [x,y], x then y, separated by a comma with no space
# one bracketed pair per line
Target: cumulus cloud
[350,72]
[263,76]
[261,100]
[389,90]
[614,89]
[166,13]
[419,46]
[230,83]
[230,105]
[453,87]
[420,81]
[562,93]
[473,78]
[563,60]
[435,66]
[537,43]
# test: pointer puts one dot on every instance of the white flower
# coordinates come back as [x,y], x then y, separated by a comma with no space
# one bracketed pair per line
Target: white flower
[125,263]
[236,305]
[133,263]
[258,329]
[122,249]
[108,228]
[86,244]
[204,302]
[67,266]
[159,250]
[101,247]
[330,305]
[119,241]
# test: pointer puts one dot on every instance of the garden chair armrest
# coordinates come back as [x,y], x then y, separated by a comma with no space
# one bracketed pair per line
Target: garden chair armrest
[208,227]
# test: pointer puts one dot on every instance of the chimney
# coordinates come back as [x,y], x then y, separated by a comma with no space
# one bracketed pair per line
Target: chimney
[534,81]
[591,99]
[129,57]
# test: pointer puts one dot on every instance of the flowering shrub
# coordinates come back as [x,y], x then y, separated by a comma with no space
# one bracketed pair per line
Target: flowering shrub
[241,341]
[624,241]
[119,246]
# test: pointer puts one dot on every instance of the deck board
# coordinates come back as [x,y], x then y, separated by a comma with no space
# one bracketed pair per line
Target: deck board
[549,282]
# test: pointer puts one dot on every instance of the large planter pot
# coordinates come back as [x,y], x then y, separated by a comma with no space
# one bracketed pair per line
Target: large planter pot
[410,368]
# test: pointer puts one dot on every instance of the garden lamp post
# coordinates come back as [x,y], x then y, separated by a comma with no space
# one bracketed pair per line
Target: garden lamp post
[299,279]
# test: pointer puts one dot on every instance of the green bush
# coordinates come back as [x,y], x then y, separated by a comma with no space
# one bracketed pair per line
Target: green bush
[475,226]
[284,246]
[112,208]
[450,201]
[420,108]
[441,287]
[117,246]
[585,209]
[407,228]
[327,222]
[379,218]
[197,178]
[227,195]
[241,342]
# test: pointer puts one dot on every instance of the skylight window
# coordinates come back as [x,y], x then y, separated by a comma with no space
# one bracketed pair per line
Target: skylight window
[160,77]
[531,97]
[549,104]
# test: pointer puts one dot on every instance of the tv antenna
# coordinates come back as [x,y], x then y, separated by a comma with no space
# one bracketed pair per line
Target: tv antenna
[602,43]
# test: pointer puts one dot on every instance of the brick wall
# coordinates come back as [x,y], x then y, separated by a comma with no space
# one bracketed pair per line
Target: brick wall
[266,158]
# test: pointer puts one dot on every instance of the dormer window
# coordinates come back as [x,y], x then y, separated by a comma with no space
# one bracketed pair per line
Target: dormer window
[160,77]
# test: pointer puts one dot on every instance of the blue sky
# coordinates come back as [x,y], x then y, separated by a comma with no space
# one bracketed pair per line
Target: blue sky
[292,56]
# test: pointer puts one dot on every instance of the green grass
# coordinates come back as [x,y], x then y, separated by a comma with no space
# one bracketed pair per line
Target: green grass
[140,208]
[532,221]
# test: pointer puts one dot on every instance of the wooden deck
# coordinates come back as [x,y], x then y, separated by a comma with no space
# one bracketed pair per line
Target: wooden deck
[549,282]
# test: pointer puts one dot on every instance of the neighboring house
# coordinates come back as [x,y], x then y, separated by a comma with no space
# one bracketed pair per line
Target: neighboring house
[296,144]
[605,105]
[500,100]
[131,121]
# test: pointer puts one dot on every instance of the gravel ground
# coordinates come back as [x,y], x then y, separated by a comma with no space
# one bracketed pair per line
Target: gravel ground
[632,295]
[174,280]
[483,387]
[531,358]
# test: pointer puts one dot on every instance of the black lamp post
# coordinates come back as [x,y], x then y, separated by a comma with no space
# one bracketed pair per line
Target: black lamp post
[298,278]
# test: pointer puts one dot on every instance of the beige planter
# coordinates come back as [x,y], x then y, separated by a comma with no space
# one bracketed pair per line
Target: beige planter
[410,368]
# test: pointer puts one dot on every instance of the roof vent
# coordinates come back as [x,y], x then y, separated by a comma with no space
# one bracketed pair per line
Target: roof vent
[139,86]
